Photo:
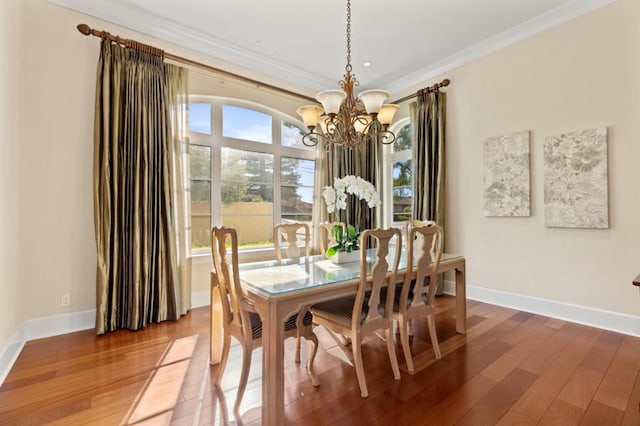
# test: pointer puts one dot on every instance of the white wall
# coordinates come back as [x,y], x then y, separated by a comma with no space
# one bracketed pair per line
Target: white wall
[57,246]
[9,142]
[582,74]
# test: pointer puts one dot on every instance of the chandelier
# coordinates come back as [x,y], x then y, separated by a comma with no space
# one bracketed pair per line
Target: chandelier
[342,119]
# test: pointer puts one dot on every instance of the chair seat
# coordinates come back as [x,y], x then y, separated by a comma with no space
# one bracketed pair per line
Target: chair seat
[339,311]
[290,324]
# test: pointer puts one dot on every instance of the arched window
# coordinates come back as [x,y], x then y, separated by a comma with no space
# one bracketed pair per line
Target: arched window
[249,170]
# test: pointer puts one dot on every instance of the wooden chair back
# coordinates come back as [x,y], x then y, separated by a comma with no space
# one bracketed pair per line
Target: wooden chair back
[326,236]
[225,262]
[424,250]
[290,232]
[366,312]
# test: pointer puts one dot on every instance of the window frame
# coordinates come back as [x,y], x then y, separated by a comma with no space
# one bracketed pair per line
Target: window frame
[392,157]
[217,141]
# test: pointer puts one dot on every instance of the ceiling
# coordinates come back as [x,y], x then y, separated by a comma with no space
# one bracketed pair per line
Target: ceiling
[407,42]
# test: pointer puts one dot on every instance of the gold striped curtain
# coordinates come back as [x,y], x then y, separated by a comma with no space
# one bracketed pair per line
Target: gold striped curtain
[337,161]
[139,211]
[428,116]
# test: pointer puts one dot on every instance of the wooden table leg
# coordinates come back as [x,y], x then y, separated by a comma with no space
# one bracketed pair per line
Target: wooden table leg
[461,300]
[272,366]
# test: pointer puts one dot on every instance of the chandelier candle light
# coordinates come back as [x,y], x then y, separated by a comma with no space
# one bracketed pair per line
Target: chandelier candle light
[335,197]
[342,120]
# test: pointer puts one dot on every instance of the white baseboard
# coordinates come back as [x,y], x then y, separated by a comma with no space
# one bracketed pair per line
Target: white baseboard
[600,318]
[57,324]
[9,355]
[39,328]
[200,299]
[75,321]
[61,324]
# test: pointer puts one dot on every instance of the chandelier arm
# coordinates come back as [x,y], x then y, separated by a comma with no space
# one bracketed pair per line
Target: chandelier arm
[311,139]
[386,137]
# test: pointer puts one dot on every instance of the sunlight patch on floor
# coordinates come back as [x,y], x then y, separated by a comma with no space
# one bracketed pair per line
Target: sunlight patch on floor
[159,395]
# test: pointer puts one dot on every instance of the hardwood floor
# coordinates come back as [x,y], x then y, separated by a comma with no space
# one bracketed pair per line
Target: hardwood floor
[510,368]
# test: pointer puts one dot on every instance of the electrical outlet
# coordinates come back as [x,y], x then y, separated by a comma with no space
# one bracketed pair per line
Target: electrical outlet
[65,300]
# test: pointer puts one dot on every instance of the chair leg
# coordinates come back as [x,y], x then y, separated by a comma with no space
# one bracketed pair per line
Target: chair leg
[244,376]
[222,403]
[297,356]
[404,339]
[434,337]
[224,356]
[313,350]
[357,360]
[299,326]
[410,326]
[391,348]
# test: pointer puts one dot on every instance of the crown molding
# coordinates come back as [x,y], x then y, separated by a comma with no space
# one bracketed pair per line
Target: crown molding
[539,24]
[139,20]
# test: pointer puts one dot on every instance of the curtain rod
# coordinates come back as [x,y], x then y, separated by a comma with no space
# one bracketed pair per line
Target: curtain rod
[87,30]
[436,87]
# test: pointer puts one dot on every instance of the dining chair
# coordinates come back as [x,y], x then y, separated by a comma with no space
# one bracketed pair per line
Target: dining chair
[423,253]
[290,233]
[239,317]
[365,313]
[413,223]
[326,235]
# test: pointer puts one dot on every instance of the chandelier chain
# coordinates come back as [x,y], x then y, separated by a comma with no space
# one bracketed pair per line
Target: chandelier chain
[348,67]
[346,120]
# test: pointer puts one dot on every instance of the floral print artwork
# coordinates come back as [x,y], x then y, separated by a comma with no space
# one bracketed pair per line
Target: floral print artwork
[575,180]
[506,175]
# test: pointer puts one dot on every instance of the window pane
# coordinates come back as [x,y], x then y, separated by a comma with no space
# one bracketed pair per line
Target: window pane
[297,200]
[403,138]
[200,168]
[200,161]
[402,203]
[297,172]
[200,196]
[402,173]
[200,232]
[297,185]
[247,124]
[292,136]
[200,118]
[296,177]
[247,196]
[402,191]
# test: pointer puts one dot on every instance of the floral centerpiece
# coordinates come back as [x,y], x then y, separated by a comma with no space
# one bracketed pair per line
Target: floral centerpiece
[347,240]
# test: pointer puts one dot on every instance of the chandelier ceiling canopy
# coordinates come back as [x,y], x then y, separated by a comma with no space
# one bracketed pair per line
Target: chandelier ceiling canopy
[346,120]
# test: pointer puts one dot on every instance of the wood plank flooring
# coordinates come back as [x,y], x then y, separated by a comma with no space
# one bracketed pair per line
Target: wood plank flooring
[510,368]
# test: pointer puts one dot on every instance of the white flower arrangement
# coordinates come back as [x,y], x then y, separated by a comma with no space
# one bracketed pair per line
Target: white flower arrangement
[335,197]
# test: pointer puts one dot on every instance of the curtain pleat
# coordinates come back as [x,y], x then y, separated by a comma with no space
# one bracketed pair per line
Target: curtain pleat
[428,116]
[136,214]
[178,95]
[337,161]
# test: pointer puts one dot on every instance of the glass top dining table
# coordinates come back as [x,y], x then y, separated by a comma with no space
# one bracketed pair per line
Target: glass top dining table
[280,288]
[273,278]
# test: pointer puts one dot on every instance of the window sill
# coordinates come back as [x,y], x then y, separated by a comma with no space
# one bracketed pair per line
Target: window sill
[252,255]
